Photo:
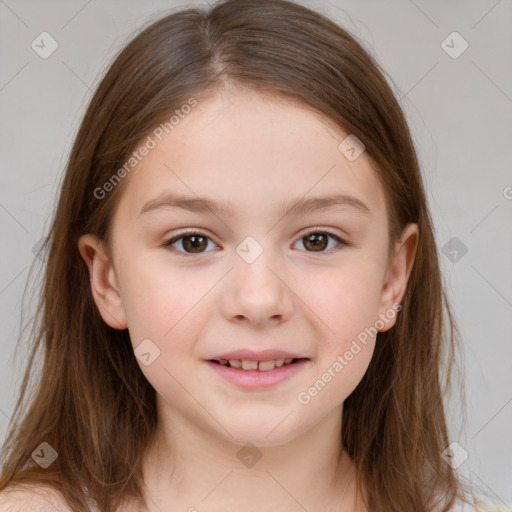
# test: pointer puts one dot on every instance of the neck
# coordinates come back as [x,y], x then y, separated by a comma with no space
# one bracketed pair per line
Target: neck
[188,467]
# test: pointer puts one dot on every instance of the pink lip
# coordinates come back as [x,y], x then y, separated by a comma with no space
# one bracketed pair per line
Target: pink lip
[252,355]
[256,379]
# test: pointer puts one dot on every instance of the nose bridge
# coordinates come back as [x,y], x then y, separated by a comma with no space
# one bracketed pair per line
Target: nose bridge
[257,290]
[252,267]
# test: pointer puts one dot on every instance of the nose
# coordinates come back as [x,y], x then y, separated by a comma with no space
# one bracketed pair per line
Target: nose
[258,293]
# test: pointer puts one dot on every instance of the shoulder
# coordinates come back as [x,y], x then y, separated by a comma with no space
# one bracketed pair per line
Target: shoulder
[28,499]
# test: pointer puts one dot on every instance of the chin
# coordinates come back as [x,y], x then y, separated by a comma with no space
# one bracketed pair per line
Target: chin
[263,433]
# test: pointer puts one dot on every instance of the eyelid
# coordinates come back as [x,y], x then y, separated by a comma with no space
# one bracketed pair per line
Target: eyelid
[191,231]
[320,229]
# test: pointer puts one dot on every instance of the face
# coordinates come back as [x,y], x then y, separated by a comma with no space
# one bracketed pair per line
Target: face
[255,280]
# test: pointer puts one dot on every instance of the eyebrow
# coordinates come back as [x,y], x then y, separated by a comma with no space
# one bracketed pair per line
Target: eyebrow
[298,206]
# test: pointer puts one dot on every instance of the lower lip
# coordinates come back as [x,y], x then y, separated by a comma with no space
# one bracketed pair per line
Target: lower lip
[256,379]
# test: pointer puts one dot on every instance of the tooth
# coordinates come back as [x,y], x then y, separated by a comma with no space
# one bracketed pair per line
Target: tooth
[288,361]
[265,366]
[235,363]
[223,362]
[249,365]
[279,362]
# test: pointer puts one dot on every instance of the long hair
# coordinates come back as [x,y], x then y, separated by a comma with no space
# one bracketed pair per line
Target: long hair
[91,403]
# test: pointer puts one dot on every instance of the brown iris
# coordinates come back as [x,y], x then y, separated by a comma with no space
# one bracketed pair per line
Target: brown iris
[195,243]
[317,241]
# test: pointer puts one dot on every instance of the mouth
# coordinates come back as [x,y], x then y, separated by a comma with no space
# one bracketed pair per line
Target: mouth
[251,374]
[250,365]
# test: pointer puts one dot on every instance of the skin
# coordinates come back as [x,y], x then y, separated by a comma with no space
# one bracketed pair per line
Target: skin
[192,307]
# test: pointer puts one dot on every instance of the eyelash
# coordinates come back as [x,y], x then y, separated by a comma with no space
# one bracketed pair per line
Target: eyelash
[185,234]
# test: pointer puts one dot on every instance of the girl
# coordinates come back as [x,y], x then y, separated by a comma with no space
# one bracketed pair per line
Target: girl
[243,307]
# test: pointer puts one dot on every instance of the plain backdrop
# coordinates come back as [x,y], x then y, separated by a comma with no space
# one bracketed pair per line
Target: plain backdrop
[458,102]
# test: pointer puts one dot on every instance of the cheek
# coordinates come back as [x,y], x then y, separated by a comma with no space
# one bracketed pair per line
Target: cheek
[165,312]
[340,376]
[157,298]
[345,302]
[346,299]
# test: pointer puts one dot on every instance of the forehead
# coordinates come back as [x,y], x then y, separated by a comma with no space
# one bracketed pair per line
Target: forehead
[252,150]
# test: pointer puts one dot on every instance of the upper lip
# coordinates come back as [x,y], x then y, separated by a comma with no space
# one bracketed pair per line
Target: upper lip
[253,355]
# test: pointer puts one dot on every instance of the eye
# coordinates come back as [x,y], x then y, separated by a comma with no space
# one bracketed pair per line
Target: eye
[318,240]
[192,242]
[195,242]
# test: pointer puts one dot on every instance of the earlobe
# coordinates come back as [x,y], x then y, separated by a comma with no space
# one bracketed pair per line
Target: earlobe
[399,270]
[104,286]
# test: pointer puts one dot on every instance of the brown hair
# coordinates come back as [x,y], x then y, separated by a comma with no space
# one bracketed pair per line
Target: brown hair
[93,404]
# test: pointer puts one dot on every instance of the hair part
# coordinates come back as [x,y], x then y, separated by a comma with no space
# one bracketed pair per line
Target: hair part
[93,404]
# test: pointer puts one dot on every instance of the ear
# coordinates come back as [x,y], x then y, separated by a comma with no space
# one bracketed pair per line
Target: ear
[399,270]
[104,287]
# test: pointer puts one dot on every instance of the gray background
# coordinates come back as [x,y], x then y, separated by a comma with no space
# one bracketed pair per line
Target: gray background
[460,113]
